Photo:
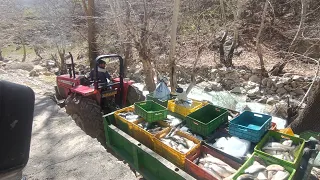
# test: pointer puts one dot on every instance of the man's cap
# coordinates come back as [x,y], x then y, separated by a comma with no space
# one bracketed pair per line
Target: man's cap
[101,62]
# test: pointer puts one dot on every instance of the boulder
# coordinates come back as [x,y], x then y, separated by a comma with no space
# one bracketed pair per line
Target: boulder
[238,90]
[24,66]
[251,85]
[294,84]
[254,92]
[271,101]
[218,79]
[265,81]
[270,83]
[279,84]
[208,88]
[246,77]
[263,100]
[33,73]
[287,88]
[299,91]
[280,109]
[297,78]
[255,79]
[293,93]
[46,73]
[281,91]
[216,86]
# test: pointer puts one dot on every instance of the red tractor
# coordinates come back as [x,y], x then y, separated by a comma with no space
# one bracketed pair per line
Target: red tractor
[86,100]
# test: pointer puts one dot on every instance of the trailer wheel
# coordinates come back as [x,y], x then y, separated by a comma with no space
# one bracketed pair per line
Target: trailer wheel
[87,115]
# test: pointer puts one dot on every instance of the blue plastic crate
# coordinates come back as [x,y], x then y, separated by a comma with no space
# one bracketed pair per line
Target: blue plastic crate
[250,126]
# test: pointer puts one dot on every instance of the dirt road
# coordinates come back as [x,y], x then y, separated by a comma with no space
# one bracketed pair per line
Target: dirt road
[59,148]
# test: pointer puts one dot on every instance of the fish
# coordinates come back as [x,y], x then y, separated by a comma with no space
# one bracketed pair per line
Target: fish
[220,170]
[172,121]
[271,152]
[275,167]
[214,174]
[259,172]
[287,142]
[281,175]
[246,177]
[277,147]
[217,166]
[178,143]
[129,116]
[271,174]
[254,169]
[262,175]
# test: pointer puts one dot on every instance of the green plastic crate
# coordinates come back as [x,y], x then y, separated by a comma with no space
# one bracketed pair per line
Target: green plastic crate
[150,111]
[206,119]
[277,136]
[161,102]
[267,161]
[307,134]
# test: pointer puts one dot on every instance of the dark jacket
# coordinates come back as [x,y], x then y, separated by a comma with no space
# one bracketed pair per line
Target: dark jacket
[102,77]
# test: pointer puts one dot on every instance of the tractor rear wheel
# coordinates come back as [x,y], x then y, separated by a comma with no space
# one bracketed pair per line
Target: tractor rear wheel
[134,95]
[87,115]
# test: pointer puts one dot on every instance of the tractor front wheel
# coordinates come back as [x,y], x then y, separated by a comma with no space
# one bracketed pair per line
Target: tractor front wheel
[87,115]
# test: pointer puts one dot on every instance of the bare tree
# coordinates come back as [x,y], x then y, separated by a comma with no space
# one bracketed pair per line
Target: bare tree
[172,63]
[89,10]
[258,39]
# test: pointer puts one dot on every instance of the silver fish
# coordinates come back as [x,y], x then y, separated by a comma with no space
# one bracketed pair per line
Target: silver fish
[213,173]
[277,147]
[246,177]
[254,169]
[220,170]
[287,142]
[281,175]
[275,167]
[262,175]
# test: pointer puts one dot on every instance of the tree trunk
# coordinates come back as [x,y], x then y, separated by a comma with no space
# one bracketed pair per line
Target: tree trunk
[24,50]
[221,48]
[258,44]
[144,52]
[309,118]
[228,61]
[193,78]
[1,57]
[224,37]
[172,63]
[92,43]
[128,41]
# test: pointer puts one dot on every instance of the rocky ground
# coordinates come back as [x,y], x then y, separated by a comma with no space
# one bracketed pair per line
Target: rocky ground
[59,148]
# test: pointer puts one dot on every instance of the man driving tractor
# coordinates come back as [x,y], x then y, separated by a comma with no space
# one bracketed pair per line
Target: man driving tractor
[103,74]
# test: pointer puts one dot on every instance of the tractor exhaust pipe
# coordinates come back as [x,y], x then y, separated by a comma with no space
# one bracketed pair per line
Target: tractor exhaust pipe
[72,66]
